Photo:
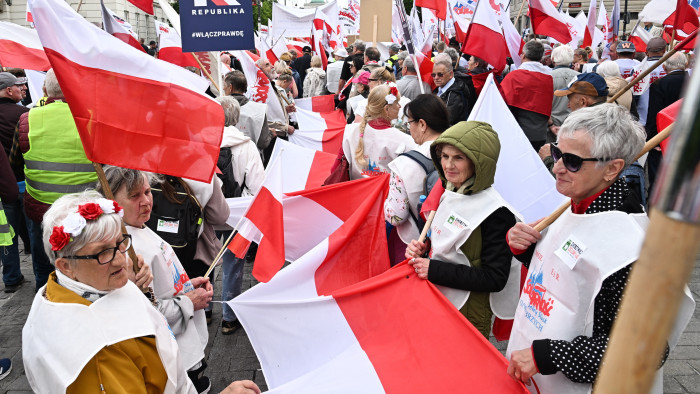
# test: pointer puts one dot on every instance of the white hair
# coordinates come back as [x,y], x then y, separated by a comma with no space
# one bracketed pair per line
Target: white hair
[104,228]
[53,89]
[677,61]
[445,60]
[608,68]
[232,110]
[118,177]
[563,55]
[613,132]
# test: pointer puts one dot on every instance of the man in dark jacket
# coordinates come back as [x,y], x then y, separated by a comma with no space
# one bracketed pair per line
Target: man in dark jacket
[662,93]
[457,93]
[303,63]
[10,95]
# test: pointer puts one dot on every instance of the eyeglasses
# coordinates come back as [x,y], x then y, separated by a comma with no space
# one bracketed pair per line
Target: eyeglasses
[106,256]
[373,80]
[438,75]
[572,162]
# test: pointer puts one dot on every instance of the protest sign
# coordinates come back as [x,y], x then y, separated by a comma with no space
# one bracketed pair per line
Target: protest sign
[211,25]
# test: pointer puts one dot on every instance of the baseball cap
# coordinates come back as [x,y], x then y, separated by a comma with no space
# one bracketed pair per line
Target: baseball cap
[341,52]
[362,77]
[590,84]
[7,80]
[306,49]
[395,47]
[625,46]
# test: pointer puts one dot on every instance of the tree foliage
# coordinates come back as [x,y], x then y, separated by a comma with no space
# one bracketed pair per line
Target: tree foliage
[266,12]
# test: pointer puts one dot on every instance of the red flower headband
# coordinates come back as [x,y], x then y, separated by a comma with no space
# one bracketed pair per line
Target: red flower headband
[73,224]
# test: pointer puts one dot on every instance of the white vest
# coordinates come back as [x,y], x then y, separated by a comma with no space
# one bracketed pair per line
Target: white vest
[576,254]
[380,148]
[251,120]
[626,66]
[275,110]
[170,280]
[411,173]
[455,220]
[59,339]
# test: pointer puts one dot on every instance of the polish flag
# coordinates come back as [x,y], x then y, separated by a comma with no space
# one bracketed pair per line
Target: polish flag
[485,38]
[119,28]
[262,224]
[144,5]
[546,20]
[302,168]
[608,36]
[267,53]
[592,36]
[513,39]
[319,131]
[439,6]
[461,28]
[297,45]
[530,87]
[339,303]
[639,38]
[424,54]
[30,19]
[279,47]
[317,36]
[323,103]
[259,86]
[167,125]
[679,13]
[170,46]
[20,47]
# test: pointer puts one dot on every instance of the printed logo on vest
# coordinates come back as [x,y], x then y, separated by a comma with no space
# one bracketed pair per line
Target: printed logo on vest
[539,307]
[372,169]
[456,223]
[571,251]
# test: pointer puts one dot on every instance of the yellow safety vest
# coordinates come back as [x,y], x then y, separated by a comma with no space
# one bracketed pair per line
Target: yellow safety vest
[6,231]
[55,163]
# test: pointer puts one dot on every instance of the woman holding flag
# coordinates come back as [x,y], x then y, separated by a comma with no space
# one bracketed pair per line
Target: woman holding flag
[469,258]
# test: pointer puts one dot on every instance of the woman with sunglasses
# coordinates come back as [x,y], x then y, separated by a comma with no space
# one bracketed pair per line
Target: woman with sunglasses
[578,267]
[425,118]
[469,259]
[182,299]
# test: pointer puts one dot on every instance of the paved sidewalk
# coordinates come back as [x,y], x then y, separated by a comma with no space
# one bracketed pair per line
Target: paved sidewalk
[231,357]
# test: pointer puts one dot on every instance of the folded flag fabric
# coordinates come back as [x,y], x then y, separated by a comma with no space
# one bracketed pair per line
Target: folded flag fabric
[21,47]
[323,103]
[546,20]
[118,27]
[302,168]
[167,125]
[320,131]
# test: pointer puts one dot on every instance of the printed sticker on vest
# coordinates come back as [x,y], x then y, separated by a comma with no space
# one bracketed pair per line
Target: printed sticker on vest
[168,227]
[536,303]
[571,251]
[456,223]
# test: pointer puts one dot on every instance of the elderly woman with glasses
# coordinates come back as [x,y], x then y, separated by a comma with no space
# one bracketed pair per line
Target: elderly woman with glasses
[181,299]
[579,266]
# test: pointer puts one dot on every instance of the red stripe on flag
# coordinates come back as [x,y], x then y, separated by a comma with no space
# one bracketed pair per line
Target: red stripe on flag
[320,169]
[548,26]
[144,5]
[486,44]
[266,214]
[394,317]
[13,54]
[334,119]
[175,55]
[239,246]
[158,135]
[324,103]
[129,39]
[332,140]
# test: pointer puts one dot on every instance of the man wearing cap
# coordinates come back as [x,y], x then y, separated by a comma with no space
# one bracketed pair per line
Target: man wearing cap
[587,90]
[303,63]
[393,60]
[656,47]
[625,58]
[408,85]
[10,95]
[334,69]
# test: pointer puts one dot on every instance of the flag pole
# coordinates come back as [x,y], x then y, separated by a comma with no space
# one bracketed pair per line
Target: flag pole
[656,140]
[426,227]
[633,29]
[520,11]
[204,70]
[652,67]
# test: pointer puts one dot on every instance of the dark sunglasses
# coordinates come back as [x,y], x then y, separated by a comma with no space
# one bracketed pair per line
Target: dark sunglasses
[572,162]
[106,256]
[437,75]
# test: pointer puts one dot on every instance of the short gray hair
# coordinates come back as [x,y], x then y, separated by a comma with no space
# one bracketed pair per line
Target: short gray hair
[402,55]
[232,110]
[608,68]
[104,228]
[408,63]
[677,61]
[53,89]
[563,55]
[445,60]
[359,45]
[454,55]
[613,132]
[118,177]
[533,50]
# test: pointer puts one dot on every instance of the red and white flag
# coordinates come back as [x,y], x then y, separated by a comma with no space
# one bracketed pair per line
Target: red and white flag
[485,38]
[439,6]
[513,39]
[640,37]
[318,34]
[30,19]
[339,303]
[144,5]
[592,36]
[547,21]
[302,168]
[259,87]
[20,47]
[320,131]
[168,125]
[263,224]
[323,103]
[678,13]
[266,51]
[170,46]
[118,27]
[424,54]
[279,47]
[530,87]
[608,36]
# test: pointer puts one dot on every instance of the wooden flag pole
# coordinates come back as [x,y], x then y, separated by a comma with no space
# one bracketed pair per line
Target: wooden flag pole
[520,11]
[204,70]
[374,31]
[662,135]
[426,227]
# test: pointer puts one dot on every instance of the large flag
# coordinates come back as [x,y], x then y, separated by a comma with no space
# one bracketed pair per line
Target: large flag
[671,12]
[262,224]
[120,28]
[576,26]
[519,169]
[170,46]
[259,87]
[164,122]
[320,131]
[294,22]
[439,6]
[485,38]
[360,325]
[608,36]
[320,30]
[20,47]
[546,20]
[323,103]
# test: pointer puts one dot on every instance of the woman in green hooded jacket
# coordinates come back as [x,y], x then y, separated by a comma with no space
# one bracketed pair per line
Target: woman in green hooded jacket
[468,257]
